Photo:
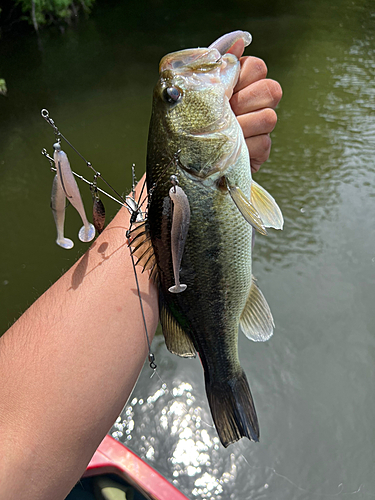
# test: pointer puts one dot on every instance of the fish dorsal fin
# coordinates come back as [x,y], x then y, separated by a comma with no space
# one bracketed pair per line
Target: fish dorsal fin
[266,207]
[142,249]
[176,339]
[256,320]
[246,208]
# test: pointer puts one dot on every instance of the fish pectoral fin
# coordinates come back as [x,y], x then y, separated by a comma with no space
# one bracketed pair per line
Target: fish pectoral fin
[246,208]
[256,320]
[266,207]
[176,339]
[141,247]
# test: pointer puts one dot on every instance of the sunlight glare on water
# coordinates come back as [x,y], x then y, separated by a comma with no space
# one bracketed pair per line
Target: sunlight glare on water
[193,449]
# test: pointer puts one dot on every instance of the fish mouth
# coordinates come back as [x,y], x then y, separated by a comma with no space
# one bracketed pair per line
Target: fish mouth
[191,59]
[200,67]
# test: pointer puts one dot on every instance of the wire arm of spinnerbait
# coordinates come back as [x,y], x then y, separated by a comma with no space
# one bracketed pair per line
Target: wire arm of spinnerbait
[45,114]
[44,153]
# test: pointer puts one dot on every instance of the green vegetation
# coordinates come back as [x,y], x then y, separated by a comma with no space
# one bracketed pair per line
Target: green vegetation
[3,87]
[42,12]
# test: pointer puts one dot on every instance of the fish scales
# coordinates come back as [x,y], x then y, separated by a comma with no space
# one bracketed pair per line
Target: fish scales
[216,266]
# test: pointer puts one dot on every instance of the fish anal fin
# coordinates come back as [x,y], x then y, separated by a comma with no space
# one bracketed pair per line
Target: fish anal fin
[256,320]
[248,211]
[176,339]
[266,207]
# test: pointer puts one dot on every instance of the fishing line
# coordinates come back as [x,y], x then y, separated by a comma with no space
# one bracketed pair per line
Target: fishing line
[151,356]
[51,160]
[176,160]
[340,487]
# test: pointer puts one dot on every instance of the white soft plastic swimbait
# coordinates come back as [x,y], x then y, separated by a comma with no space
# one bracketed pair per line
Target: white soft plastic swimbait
[71,191]
[225,42]
[180,227]
[58,210]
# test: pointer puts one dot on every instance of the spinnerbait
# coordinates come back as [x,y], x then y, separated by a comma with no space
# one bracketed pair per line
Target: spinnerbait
[65,187]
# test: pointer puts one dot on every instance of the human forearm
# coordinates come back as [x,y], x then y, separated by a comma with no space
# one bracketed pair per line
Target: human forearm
[69,364]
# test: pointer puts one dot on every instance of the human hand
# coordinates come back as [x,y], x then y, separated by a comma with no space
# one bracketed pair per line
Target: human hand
[254,100]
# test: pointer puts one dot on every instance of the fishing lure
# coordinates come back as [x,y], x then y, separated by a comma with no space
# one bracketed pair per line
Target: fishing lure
[225,42]
[70,188]
[180,227]
[58,210]
[66,183]
[98,210]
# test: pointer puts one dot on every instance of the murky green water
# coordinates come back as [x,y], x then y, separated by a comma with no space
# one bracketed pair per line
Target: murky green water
[313,382]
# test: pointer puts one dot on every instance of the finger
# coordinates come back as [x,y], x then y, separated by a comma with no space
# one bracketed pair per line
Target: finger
[237,48]
[258,122]
[261,94]
[259,148]
[252,70]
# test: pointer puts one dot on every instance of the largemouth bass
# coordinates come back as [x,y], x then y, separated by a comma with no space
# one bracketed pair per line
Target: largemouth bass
[207,237]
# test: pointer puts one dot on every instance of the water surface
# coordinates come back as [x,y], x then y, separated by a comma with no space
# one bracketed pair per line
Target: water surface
[313,382]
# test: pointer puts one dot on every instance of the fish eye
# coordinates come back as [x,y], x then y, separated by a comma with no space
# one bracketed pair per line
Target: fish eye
[172,94]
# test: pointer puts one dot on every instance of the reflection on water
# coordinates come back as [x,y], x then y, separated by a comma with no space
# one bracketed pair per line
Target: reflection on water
[170,428]
[331,101]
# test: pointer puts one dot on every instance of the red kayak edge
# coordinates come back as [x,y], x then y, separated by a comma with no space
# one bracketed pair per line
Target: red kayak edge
[112,457]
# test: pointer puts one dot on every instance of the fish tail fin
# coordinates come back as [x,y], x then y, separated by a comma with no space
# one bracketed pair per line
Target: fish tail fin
[233,409]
